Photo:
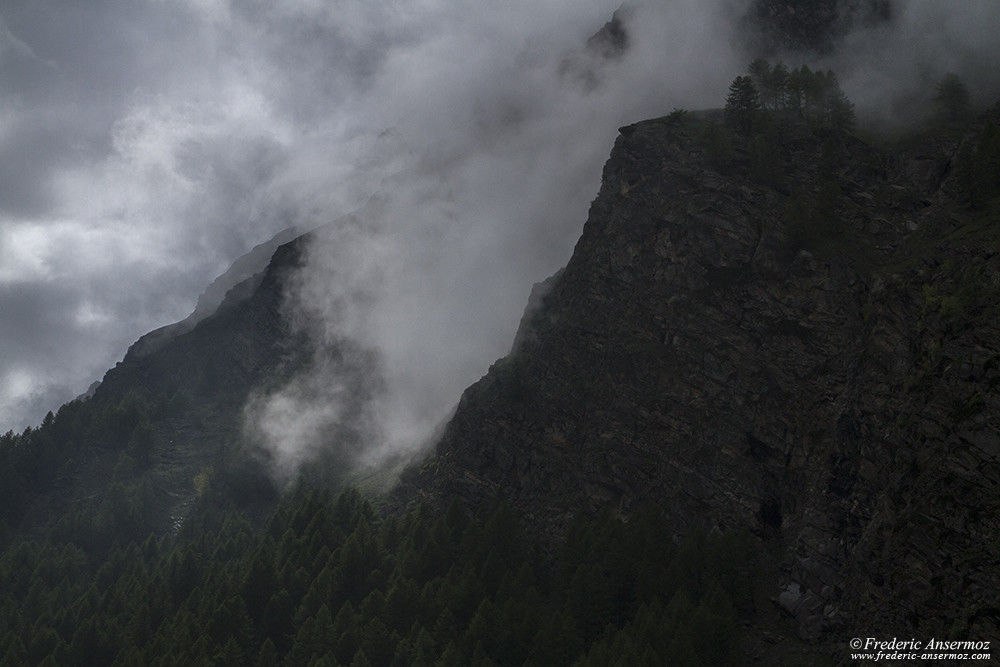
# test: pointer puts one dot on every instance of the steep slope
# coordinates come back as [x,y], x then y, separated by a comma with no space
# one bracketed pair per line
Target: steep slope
[250,266]
[170,411]
[798,335]
[174,408]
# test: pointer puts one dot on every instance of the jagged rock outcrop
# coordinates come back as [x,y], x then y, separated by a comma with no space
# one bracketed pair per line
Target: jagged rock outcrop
[814,356]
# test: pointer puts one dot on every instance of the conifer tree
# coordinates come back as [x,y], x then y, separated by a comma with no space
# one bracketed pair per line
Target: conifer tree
[742,105]
[838,112]
[759,72]
[267,656]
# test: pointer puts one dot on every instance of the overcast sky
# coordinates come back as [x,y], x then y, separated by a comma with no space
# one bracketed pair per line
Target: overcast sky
[145,144]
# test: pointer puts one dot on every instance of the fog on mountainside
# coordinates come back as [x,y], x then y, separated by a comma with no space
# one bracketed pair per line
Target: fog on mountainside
[491,182]
[480,133]
[704,368]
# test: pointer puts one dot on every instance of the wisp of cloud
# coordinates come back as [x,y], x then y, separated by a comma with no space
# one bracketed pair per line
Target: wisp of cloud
[496,127]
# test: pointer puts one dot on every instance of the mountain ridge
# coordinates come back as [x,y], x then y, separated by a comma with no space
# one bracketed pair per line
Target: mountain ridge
[742,357]
[807,351]
[791,332]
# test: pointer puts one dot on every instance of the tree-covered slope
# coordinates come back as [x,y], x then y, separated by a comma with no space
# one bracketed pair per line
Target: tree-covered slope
[123,461]
[326,581]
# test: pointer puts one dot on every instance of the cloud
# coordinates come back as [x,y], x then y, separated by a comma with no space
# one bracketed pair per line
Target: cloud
[144,146]
[889,69]
[496,154]
[493,153]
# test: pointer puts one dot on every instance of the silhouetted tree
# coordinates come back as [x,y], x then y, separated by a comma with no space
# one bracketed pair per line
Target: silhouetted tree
[768,92]
[838,111]
[742,105]
[952,98]
[759,72]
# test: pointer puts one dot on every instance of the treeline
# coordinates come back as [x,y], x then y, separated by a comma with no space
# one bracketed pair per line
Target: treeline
[327,581]
[767,92]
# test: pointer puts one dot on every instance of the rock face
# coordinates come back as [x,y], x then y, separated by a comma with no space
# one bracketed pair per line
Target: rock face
[813,354]
[237,283]
[181,405]
[220,356]
[778,26]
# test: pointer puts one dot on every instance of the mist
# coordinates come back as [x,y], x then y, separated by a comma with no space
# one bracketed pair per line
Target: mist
[504,122]
[890,70]
[502,125]
[147,145]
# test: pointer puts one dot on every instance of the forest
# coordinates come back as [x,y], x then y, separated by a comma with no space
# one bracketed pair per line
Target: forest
[332,581]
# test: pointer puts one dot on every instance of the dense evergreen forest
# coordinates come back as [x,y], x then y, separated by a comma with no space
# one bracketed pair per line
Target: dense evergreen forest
[117,438]
[328,581]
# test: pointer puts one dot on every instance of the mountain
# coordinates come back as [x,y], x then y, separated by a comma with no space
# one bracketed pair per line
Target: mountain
[809,351]
[174,405]
[170,411]
[245,274]
[789,335]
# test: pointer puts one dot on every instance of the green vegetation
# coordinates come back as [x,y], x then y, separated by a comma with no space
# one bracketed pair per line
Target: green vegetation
[767,94]
[37,459]
[743,106]
[676,116]
[116,437]
[326,581]
[787,129]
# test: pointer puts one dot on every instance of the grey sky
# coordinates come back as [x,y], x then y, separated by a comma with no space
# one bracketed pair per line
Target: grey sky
[145,144]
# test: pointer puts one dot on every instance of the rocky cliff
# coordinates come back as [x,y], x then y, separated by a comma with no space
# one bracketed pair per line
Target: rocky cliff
[809,349]
[777,26]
